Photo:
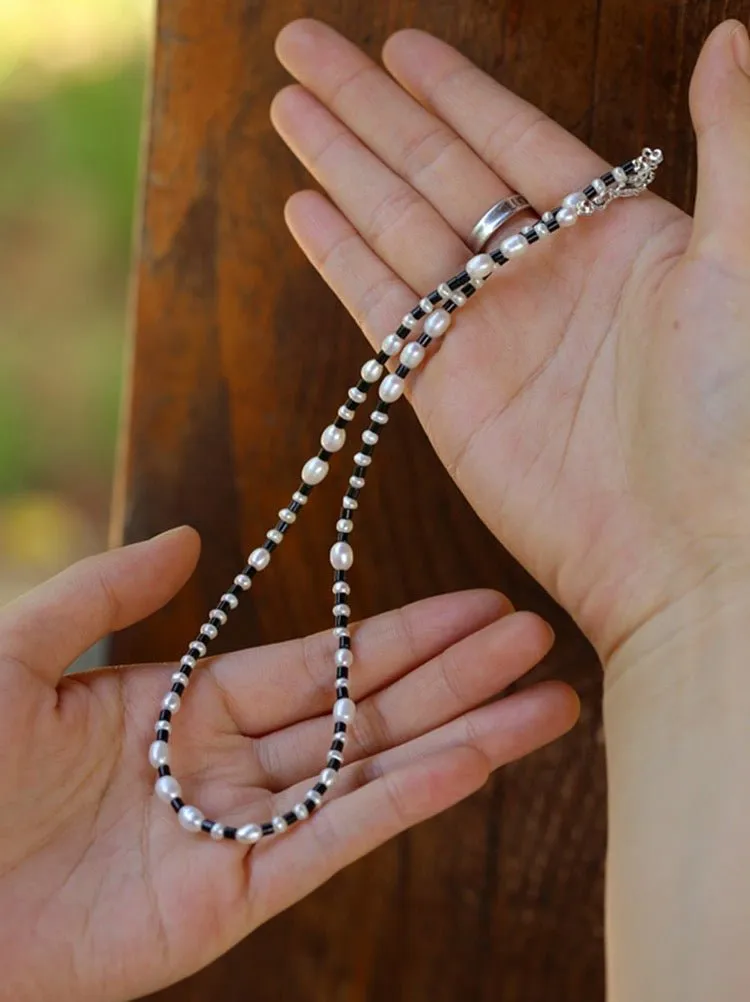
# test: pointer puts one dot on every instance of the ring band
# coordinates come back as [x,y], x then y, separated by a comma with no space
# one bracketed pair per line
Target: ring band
[495,217]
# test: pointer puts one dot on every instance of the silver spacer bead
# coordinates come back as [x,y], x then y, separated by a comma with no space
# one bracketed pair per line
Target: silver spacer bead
[341,586]
[217,832]
[301,811]
[341,609]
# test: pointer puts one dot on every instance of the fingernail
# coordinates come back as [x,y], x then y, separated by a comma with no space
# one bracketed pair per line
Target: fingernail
[741,48]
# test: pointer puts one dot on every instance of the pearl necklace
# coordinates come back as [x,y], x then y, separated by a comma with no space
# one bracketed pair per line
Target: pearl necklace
[436,309]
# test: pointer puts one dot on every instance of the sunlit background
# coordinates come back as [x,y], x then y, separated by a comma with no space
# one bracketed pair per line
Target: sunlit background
[71,95]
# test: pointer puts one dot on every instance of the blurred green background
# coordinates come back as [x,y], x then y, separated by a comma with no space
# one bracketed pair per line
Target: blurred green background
[72,76]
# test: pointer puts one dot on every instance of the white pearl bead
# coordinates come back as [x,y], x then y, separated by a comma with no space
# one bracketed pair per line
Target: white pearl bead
[345,413]
[315,797]
[199,647]
[217,832]
[514,246]
[314,471]
[243,581]
[340,631]
[279,824]
[437,323]
[333,438]
[191,818]
[167,788]
[301,811]
[412,355]
[259,558]
[480,266]
[299,497]
[391,345]
[340,736]
[171,702]
[187,661]
[350,503]
[341,556]
[218,614]
[425,305]
[573,200]
[409,322]
[249,834]
[619,175]
[458,298]
[336,756]
[163,725]
[344,657]
[393,386]
[379,417]
[362,459]
[341,586]
[345,525]
[343,710]
[357,483]
[370,437]
[358,396]
[158,754]
[599,186]
[275,536]
[180,678]
[371,371]
[328,777]
[231,600]
[287,516]
[341,609]
[567,217]
[445,290]
[541,231]
[209,630]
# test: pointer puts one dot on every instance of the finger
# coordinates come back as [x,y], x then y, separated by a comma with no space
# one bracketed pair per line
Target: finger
[405,786]
[391,216]
[720,107]
[529,151]
[53,624]
[412,142]
[273,687]
[460,678]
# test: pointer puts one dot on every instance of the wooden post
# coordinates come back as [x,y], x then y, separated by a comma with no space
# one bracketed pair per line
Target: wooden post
[233,360]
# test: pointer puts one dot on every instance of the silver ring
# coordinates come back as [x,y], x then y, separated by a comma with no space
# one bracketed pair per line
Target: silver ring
[495,217]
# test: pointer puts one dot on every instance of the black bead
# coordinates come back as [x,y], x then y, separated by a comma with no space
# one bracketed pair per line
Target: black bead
[342,692]
[353,493]
[337,746]
[207,825]
[324,454]
[339,576]
[589,191]
[553,224]
[402,371]
[305,489]
[382,357]
[345,642]
[342,672]
[608,178]
[282,526]
[417,312]
[230,832]
[295,506]
[342,537]
[321,788]
[468,291]
[333,763]
[176,804]
[531,237]
[290,817]
[363,386]
[360,471]
[458,280]
[165,715]
[310,805]
[267,828]
[164,770]
[366,449]
[434,297]
[424,339]
[179,688]
[629,167]
[224,607]
[450,306]
[340,422]
[269,545]
[162,736]
[402,332]
[341,621]
[339,728]
[498,257]
[234,590]
[383,407]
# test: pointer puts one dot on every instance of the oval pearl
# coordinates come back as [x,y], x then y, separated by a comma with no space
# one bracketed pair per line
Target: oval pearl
[191,818]
[479,266]
[328,777]
[167,788]
[341,556]
[249,834]
[171,702]
[437,323]
[333,438]
[371,371]
[392,344]
[344,710]
[344,657]
[393,386]
[314,471]
[412,355]
[259,558]
[566,217]
[158,754]
[217,832]
[514,246]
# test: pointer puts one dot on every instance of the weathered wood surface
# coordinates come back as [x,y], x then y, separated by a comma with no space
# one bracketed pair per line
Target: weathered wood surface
[240,352]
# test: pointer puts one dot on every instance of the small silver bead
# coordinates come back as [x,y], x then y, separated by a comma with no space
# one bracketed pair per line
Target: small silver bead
[316,798]
[191,818]
[409,322]
[299,498]
[344,657]
[412,355]
[393,386]
[619,175]
[209,630]
[371,437]
[335,756]
[243,581]
[548,217]
[378,416]
[163,725]
[599,186]
[249,834]
[341,631]
[187,661]
[341,609]
[437,323]
[350,503]
[314,471]
[279,824]
[362,459]
[275,536]
[445,290]
[458,298]
[287,516]
[333,438]
[371,371]
[345,525]
[171,702]
[158,754]
[259,558]
[514,246]
[541,230]
[218,614]
[358,396]
[328,776]
[425,305]
[345,413]
[180,678]
[301,811]
[344,711]
[167,788]
[217,832]
[341,586]
[231,600]
[341,556]
[391,345]
[357,483]
[566,217]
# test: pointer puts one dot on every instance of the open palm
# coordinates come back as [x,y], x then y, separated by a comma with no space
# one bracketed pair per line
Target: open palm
[577,403]
[102,894]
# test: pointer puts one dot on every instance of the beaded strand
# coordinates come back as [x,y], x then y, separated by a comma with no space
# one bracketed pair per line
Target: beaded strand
[436,310]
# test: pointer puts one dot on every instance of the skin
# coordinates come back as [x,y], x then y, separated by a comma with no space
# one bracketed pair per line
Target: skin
[592,407]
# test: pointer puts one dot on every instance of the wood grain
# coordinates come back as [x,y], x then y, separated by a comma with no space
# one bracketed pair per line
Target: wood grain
[233,364]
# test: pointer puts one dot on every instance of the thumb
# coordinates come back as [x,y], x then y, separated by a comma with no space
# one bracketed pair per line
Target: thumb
[50,626]
[720,107]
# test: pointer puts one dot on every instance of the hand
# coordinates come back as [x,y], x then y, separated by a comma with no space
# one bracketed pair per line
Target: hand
[593,402]
[102,895]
